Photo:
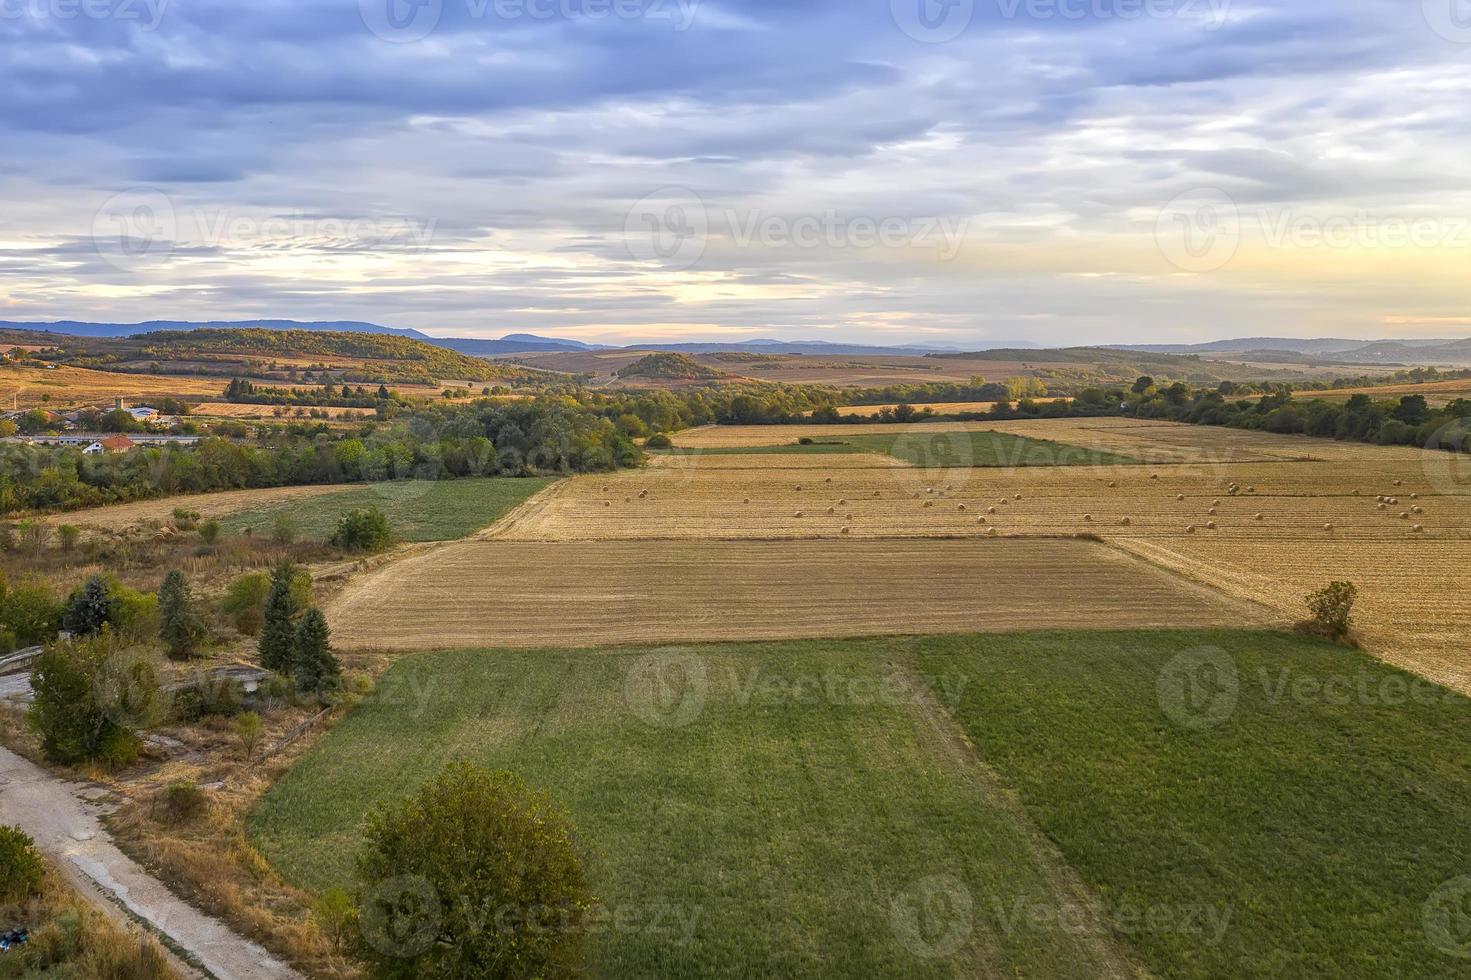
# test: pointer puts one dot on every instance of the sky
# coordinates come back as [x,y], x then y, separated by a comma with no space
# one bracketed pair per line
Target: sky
[945,172]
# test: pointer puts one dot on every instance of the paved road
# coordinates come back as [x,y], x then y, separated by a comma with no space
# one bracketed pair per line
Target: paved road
[65,825]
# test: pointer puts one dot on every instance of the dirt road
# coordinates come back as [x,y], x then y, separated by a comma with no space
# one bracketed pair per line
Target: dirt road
[65,826]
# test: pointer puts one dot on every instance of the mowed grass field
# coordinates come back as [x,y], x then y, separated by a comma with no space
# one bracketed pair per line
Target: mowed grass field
[1309,797]
[27,386]
[813,809]
[939,448]
[417,510]
[741,829]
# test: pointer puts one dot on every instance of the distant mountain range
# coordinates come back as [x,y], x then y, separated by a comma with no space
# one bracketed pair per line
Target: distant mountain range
[516,343]
[1334,350]
[1330,350]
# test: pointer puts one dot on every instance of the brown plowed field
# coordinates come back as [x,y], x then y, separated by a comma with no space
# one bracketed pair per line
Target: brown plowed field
[519,594]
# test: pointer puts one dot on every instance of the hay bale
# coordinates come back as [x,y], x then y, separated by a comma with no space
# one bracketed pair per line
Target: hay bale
[746,500]
[929,503]
[1018,496]
[961,507]
[1259,517]
[1399,483]
[797,514]
[990,510]
[828,480]
[875,493]
[1418,529]
[1210,525]
[1127,521]
[1417,510]
[1113,483]
[991,531]
[980,520]
[1179,496]
[1088,517]
[1404,515]
[847,530]
[1381,506]
[607,503]
[642,494]
[1212,512]
[1190,529]
[842,503]
[832,510]
[1327,527]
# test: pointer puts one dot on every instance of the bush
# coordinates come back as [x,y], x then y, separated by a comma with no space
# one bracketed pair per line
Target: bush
[179,802]
[337,918]
[248,728]
[69,535]
[245,600]
[209,532]
[90,696]
[20,866]
[30,610]
[206,696]
[1332,608]
[470,841]
[362,530]
[659,440]
[283,530]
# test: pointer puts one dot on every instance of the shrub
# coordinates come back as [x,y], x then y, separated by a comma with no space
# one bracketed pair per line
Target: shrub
[90,696]
[1332,608]
[245,600]
[8,643]
[248,728]
[179,802]
[470,841]
[179,625]
[362,530]
[21,871]
[68,535]
[337,918]
[659,440]
[283,529]
[206,696]
[209,532]
[29,609]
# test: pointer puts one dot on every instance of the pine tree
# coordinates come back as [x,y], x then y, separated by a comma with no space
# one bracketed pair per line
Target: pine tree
[316,669]
[89,608]
[178,624]
[278,630]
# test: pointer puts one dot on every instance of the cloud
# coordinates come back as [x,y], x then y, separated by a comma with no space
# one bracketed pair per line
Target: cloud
[480,179]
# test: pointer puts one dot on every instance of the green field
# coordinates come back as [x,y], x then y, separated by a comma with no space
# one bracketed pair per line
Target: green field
[783,826]
[1321,818]
[945,448]
[797,810]
[417,510]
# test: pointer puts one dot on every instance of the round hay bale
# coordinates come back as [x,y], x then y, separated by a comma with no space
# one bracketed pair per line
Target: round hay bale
[1212,512]
[1327,527]
[628,500]
[842,503]
[1154,476]
[1088,517]
[832,510]
[1381,506]
[799,488]
[642,494]
[1018,496]
[990,510]
[1404,515]
[1251,489]
[847,530]
[1216,503]
[797,514]
[929,503]
[1210,525]
[1418,529]
[1399,483]
[1259,517]
[607,503]
[991,531]
[828,480]
[1005,502]
[961,507]
[929,489]
[746,501]
[1417,510]
[875,493]
[1113,483]
[1414,496]
[1179,496]
[980,520]
[1127,521]
[1190,529]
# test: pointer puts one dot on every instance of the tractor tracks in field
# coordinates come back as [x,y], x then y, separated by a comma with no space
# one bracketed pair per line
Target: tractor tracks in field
[1108,956]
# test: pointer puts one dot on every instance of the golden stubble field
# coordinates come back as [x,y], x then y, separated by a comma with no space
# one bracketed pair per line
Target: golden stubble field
[25,387]
[1305,512]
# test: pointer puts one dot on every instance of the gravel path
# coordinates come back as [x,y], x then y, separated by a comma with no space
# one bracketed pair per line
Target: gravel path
[65,826]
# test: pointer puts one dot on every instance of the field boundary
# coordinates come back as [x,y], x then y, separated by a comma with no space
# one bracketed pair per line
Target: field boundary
[1063,879]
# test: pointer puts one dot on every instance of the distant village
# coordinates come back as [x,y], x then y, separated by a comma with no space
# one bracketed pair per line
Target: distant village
[67,431]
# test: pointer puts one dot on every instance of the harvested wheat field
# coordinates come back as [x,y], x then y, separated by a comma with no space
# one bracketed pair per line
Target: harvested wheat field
[1435,392]
[29,387]
[1395,520]
[116,516]
[522,594]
